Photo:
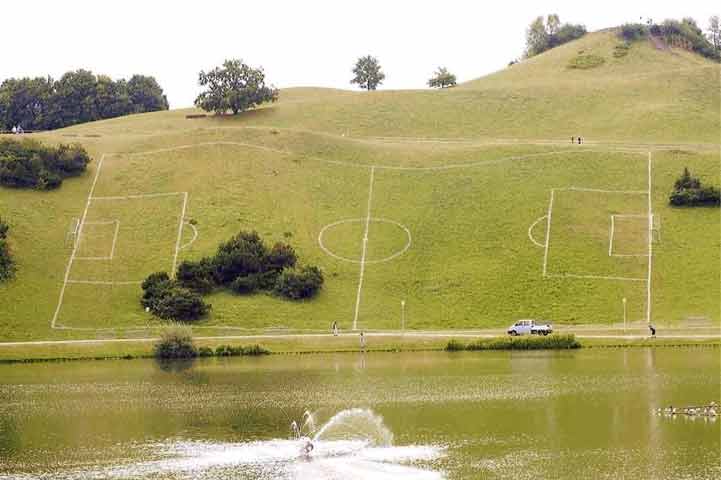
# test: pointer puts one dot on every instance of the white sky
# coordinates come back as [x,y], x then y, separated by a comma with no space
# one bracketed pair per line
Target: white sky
[299,43]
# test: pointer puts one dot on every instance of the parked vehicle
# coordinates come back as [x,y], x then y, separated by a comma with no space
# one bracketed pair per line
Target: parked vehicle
[523,327]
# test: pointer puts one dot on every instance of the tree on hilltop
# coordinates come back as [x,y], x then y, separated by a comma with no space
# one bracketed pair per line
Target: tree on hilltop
[543,35]
[235,86]
[368,73]
[714,32]
[442,78]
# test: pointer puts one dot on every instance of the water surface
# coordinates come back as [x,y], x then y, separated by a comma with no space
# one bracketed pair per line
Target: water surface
[582,414]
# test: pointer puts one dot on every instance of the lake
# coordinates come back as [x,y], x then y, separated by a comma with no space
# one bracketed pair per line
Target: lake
[522,415]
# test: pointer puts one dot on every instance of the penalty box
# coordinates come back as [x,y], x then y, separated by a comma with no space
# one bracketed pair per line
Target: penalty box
[124,239]
[601,234]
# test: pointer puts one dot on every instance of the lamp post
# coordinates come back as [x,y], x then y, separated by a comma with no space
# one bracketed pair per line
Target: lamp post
[403,316]
[624,316]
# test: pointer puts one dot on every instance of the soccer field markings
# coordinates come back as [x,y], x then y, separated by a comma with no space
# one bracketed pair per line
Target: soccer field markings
[53,323]
[331,162]
[365,249]
[613,231]
[648,193]
[195,236]
[115,240]
[530,231]
[329,252]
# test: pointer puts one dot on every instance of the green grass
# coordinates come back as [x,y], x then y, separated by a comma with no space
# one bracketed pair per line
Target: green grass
[291,169]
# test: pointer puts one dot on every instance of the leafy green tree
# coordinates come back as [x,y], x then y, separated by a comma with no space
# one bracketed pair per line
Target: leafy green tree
[537,40]
[542,36]
[368,73]
[442,78]
[235,86]
[714,32]
[30,164]
[145,94]
[25,102]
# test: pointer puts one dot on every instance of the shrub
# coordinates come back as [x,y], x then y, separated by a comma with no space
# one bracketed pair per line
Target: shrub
[689,192]
[299,284]
[242,255]
[180,304]
[632,32]
[175,343]
[166,299]
[551,342]
[586,62]
[245,285]
[196,276]
[254,350]
[621,50]
[205,352]
[455,346]
[7,265]
[29,164]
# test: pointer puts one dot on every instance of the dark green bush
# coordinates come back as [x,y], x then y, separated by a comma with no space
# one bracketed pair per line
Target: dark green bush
[175,343]
[29,164]
[245,285]
[632,32]
[689,192]
[255,350]
[455,346]
[180,304]
[7,265]
[167,300]
[205,352]
[196,276]
[299,284]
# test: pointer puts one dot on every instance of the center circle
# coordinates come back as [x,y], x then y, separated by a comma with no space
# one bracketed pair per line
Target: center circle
[357,227]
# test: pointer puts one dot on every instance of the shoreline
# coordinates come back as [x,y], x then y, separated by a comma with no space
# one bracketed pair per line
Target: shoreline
[288,344]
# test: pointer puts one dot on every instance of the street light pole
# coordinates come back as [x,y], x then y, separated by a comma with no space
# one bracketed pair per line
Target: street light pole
[403,316]
[624,316]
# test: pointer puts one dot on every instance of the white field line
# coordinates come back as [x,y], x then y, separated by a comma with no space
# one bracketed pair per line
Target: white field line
[599,190]
[548,234]
[596,277]
[53,323]
[112,246]
[650,244]
[395,255]
[611,236]
[365,249]
[530,230]
[180,233]
[195,236]
[142,195]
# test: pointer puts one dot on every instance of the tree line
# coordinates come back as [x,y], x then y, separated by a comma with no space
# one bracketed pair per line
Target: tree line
[43,103]
[244,264]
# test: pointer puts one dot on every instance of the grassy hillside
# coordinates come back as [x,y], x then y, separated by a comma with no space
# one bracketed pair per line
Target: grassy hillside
[457,229]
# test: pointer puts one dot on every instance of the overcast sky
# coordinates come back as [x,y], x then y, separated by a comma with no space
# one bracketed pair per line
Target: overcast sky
[299,43]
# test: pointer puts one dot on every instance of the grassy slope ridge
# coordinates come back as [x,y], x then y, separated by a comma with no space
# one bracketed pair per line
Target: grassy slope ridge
[471,263]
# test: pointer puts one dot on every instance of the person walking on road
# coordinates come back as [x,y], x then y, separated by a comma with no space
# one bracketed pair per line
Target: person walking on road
[362,342]
[653,330]
[335,328]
